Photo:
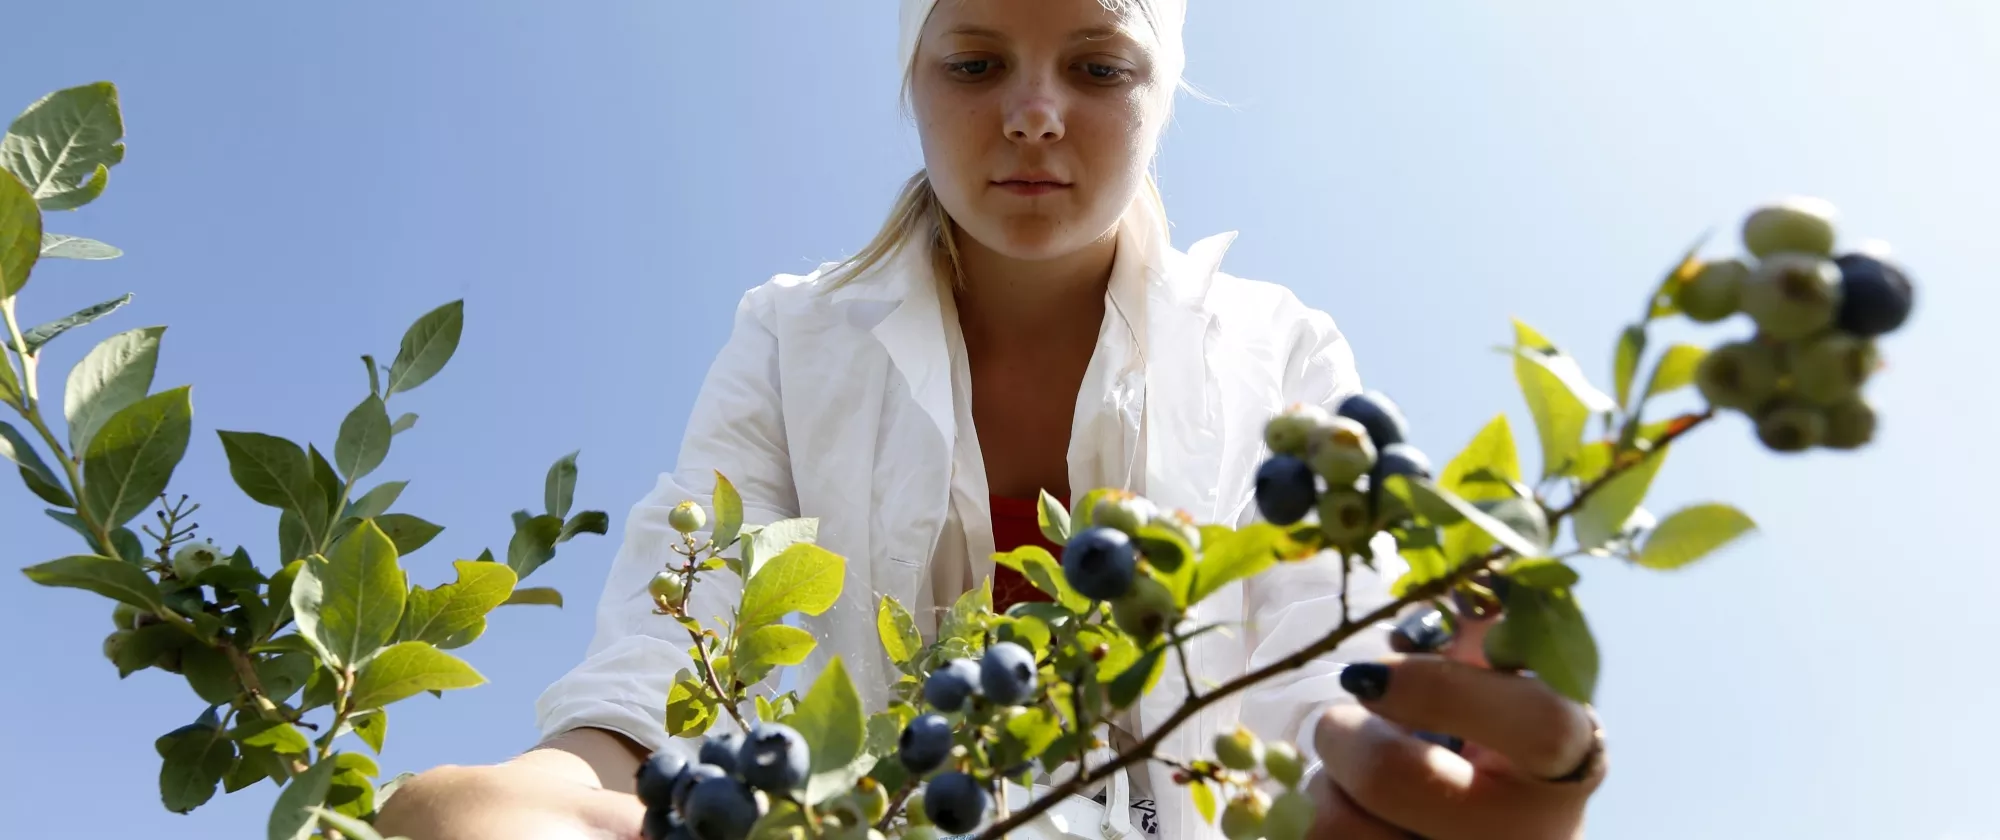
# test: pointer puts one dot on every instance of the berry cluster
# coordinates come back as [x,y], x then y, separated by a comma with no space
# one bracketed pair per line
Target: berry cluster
[1817,315]
[1102,561]
[1251,812]
[1004,678]
[727,789]
[1337,464]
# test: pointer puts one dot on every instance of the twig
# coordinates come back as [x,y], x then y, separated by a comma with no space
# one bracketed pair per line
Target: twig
[1187,676]
[1616,469]
[1346,567]
[708,676]
[897,802]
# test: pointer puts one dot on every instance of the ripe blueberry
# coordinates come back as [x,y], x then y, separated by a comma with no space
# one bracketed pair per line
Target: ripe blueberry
[660,824]
[1423,631]
[1100,563]
[1291,432]
[1344,517]
[1829,368]
[1792,296]
[722,749]
[657,777]
[687,517]
[925,744]
[1715,292]
[1875,296]
[949,686]
[1342,452]
[720,809]
[1379,415]
[1244,818]
[1282,761]
[774,758]
[1395,459]
[956,803]
[1790,426]
[1290,817]
[1007,674]
[1239,750]
[1849,425]
[1123,511]
[1285,490]
[693,775]
[1798,226]
[1741,375]
[1146,611]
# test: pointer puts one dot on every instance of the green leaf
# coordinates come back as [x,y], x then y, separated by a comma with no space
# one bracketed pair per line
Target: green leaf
[20,236]
[1543,573]
[1052,518]
[324,478]
[1548,630]
[1675,369]
[280,738]
[1041,569]
[898,630]
[803,579]
[62,146]
[728,512]
[1481,468]
[966,620]
[113,375]
[1691,533]
[404,422]
[771,647]
[376,502]
[1631,343]
[407,532]
[538,596]
[1035,729]
[772,540]
[349,603]
[372,727]
[690,708]
[587,522]
[293,817]
[42,334]
[1592,459]
[64,246]
[272,471]
[1426,564]
[349,826]
[253,765]
[407,668]
[831,720]
[209,673]
[1603,514]
[1558,396]
[283,675]
[133,456]
[41,480]
[533,544]
[144,648]
[114,579]
[427,346]
[1204,800]
[10,384]
[1666,297]
[438,615]
[194,765]
[559,489]
[1234,557]
[1081,510]
[364,439]
[1428,495]
[1130,684]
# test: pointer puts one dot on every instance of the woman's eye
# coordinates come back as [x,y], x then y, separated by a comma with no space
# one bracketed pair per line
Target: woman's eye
[1106,72]
[970,69]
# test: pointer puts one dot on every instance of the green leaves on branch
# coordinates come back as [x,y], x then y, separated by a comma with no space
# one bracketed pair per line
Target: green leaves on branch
[1558,395]
[1692,533]
[364,439]
[63,246]
[132,457]
[454,614]
[62,147]
[900,639]
[1041,569]
[769,647]
[1602,517]
[274,471]
[1545,629]
[349,603]
[803,579]
[760,544]
[407,668]
[119,581]
[560,487]
[294,817]
[427,346]
[831,719]
[1239,555]
[20,235]
[1675,369]
[728,513]
[37,336]
[194,760]
[116,373]
[41,480]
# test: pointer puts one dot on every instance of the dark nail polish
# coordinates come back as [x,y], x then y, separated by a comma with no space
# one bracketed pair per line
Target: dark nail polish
[1450,742]
[1366,680]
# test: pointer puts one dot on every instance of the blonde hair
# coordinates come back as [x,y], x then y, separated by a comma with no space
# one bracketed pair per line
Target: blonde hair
[918,214]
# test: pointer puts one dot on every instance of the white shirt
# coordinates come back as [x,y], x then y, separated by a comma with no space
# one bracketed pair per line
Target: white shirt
[844,405]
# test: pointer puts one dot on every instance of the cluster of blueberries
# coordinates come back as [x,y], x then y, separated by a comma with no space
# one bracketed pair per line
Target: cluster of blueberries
[1817,315]
[724,792]
[1354,450]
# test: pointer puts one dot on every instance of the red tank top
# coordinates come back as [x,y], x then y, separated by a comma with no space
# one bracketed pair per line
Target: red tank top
[1014,526]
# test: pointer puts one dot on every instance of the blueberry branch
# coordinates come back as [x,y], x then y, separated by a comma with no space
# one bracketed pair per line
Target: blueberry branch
[30,409]
[1619,467]
[897,802]
[708,677]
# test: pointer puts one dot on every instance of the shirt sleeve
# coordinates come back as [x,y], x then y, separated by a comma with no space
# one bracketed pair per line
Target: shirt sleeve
[736,428]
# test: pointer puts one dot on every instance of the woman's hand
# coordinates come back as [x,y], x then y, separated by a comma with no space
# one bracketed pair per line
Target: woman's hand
[547,794]
[1530,761]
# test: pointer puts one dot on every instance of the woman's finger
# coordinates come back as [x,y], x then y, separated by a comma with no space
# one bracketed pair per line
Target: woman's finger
[1543,733]
[1336,817]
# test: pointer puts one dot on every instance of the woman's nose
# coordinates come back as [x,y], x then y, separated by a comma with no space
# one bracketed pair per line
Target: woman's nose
[1034,115]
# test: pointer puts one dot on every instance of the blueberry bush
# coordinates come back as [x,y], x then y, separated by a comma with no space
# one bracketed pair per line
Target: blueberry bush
[294,661]
[986,699]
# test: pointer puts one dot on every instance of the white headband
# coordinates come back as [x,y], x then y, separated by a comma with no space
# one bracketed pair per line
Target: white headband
[1169,17]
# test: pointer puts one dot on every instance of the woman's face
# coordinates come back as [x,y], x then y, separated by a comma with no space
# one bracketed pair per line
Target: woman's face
[1038,118]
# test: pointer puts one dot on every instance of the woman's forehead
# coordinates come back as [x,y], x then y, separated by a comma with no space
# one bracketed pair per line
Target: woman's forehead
[1021,20]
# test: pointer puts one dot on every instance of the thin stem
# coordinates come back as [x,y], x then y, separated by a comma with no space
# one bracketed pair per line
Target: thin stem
[708,676]
[1616,469]
[1346,567]
[30,394]
[1180,654]
[897,802]
[343,693]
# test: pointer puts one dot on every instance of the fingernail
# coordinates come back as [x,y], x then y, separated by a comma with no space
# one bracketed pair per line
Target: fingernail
[1450,742]
[1366,680]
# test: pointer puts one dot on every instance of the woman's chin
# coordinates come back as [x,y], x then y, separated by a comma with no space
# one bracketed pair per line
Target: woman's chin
[1035,238]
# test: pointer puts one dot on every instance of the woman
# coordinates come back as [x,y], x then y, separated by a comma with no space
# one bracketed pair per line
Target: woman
[1020,324]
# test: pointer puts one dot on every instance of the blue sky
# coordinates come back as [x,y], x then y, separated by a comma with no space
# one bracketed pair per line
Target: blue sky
[601,181]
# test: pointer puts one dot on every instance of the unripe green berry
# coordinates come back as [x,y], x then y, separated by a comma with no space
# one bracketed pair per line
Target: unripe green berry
[1795,225]
[1290,817]
[1291,432]
[1123,511]
[687,517]
[913,810]
[1341,452]
[1244,818]
[1239,750]
[1741,375]
[1792,296]
[114,642]
[918,832]
[1790,426]
[873,798]
[194,558]
[1282,761]
[1182,523]
[1344,517]
[1849,425]
[125,616]
[1829,369]
[1146,611]
[1715,292]
[666,588]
